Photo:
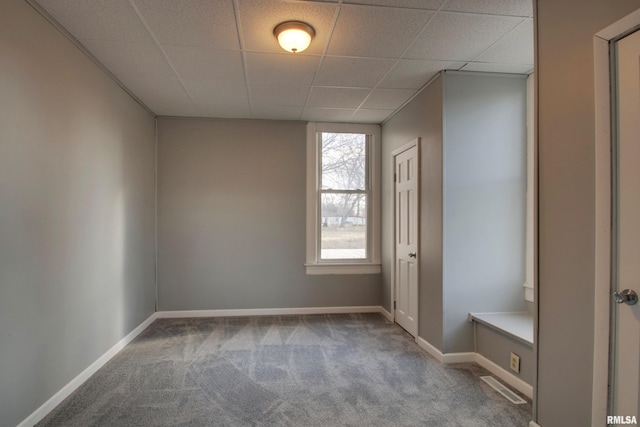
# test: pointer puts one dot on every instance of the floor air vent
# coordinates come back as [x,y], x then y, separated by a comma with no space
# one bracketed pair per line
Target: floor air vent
[503,390]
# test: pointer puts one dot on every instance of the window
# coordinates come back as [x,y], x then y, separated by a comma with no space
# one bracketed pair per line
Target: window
[343,200]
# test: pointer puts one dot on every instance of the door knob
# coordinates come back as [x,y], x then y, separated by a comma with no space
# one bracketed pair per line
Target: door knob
[412,254]
[628,296]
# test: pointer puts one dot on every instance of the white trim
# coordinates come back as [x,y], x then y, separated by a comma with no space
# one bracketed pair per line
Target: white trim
[312,210]
[269,311]
[504,375]
[413,143]
[73,385]
[620,27]
[529,294]
[534,424]
[446,358]
[65,391]
[602,82]
[318,269]
[386,314]
[599,396]
[155,218]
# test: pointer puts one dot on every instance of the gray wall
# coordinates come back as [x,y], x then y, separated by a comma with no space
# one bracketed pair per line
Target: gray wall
[231,220]
[497,347]
[77,212]
[566,158]
[422,118]
[485,182]
[472,201]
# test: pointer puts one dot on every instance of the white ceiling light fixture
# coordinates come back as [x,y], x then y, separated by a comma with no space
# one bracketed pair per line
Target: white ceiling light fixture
[294,36]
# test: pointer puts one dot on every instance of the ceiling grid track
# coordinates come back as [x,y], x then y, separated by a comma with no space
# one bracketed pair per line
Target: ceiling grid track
[164,54]
[53,21]
[524,20]
[197,58]
[236,12]
[424,27]
[323,55]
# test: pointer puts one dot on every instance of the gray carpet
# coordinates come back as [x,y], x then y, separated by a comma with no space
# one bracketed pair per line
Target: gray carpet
[320,370]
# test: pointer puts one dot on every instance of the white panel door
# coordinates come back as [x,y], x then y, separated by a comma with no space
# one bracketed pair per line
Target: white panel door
[406,237]
[626,333]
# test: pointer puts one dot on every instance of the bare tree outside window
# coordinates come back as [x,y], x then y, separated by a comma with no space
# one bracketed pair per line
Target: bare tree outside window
[344,196]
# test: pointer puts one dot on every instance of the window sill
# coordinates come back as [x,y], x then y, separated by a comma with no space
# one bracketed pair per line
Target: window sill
[320,269]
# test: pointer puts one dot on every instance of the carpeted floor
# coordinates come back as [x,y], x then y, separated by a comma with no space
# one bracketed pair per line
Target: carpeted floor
[320,370]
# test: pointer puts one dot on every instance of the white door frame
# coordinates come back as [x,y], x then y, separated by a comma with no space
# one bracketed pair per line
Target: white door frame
[414,142]
[603,126]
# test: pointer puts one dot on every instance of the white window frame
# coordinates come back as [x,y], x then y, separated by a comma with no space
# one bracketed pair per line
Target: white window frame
[314,264]
[530,217]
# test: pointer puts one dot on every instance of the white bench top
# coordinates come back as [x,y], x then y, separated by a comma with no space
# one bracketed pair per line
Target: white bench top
[518,325]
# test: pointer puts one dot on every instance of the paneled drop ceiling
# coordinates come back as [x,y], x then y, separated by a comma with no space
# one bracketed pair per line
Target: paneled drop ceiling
[219,58]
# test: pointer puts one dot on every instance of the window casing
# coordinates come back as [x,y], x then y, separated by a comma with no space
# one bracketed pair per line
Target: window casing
[343,199]
[530,203]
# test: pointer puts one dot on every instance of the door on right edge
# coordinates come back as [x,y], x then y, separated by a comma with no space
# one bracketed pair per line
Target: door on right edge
[626,315]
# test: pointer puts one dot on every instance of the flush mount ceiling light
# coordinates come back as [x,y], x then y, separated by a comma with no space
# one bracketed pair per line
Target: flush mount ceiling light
[294,36]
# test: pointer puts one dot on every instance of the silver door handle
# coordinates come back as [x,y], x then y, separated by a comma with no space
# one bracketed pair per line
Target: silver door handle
[412,254]
[628,296]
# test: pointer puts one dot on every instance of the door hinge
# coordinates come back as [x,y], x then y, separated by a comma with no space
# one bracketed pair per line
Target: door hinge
[394,305]
[395,177]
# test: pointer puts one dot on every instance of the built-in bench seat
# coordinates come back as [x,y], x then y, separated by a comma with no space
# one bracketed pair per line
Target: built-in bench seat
[496,336]
[518,326]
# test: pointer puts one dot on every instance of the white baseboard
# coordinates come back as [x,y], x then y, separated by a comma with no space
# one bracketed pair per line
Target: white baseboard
[505,376]
[65,391]
[534,424]
[446,358]
[270,311]
[386,314]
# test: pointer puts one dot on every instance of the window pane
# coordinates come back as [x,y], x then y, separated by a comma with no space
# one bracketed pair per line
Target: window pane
[344,161]
[343,230]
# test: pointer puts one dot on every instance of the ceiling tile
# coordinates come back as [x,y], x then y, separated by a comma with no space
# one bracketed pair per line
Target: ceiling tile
[196,63]
[258,18]
[387,99]
[130,59]
[98,20]
[212,92]
[336,97]
[206,49]
[371,116]
[415,73]
[412,4]
[327,114]
[514,48]
[460,36]
[281,69]
[165,97]
[352,72]
[486,67]
[278,112]
[278,95]
[494,7]
[191,22]
[224,111]
[373,31]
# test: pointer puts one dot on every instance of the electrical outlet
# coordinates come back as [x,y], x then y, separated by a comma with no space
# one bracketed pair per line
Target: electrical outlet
[515,363]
